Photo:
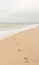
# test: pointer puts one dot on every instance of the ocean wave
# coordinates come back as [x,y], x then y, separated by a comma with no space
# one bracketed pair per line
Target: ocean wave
[5,33]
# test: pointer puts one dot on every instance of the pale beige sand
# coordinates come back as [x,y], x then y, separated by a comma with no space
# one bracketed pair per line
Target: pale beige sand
[20,49]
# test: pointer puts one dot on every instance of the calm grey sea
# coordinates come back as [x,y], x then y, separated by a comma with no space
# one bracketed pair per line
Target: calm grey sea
[15,24]
[9,26]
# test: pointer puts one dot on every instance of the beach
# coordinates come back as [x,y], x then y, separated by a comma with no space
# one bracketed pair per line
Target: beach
[21,48]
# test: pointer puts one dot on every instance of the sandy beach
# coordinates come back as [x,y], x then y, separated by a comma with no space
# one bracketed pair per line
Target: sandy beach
[21,48]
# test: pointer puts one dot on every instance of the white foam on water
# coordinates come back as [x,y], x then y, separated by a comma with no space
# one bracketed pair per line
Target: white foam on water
[6,33]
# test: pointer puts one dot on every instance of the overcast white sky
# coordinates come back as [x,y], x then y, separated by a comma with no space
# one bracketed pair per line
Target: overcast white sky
[19,10]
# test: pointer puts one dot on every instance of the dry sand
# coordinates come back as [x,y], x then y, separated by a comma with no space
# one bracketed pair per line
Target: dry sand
[20,49]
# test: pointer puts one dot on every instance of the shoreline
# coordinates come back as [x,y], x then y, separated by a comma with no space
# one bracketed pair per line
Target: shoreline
[7,33]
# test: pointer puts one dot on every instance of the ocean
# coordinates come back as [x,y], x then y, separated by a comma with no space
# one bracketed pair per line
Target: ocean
[10,29]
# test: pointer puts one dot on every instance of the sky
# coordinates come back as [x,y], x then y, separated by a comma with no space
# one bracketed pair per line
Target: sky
[12,11]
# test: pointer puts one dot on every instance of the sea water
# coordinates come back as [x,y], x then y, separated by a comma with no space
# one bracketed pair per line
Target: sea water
[10,29]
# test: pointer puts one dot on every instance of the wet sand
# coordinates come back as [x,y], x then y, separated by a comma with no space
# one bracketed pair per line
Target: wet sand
[20,49]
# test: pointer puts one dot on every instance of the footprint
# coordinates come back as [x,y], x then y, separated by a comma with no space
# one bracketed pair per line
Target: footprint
[26,60]
[19,50]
